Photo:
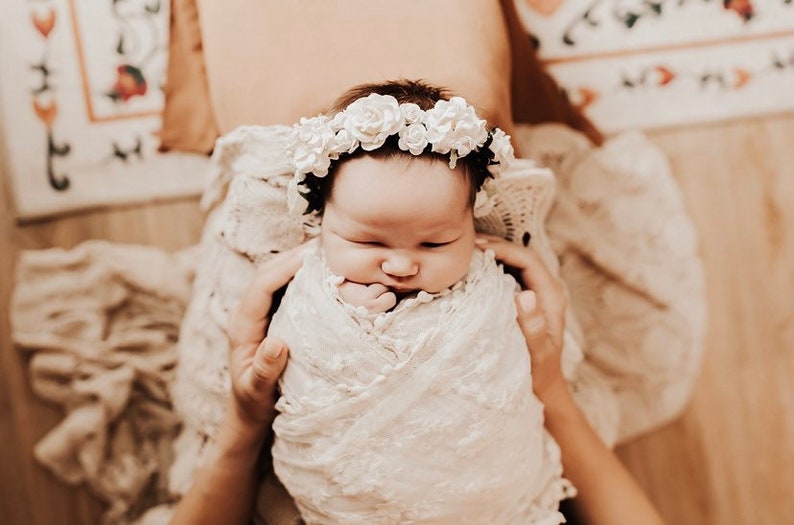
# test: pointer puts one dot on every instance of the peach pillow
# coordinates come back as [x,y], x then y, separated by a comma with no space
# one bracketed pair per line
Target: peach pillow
[273,61]
[188,121]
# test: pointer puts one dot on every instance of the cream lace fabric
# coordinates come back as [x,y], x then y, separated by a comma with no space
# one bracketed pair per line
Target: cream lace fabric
[629,255]
[423,414]
[641,310]
[618,228]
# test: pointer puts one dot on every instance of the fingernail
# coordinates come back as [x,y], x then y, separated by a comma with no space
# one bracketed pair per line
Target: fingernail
[272,349]
[527,301]
[480,241]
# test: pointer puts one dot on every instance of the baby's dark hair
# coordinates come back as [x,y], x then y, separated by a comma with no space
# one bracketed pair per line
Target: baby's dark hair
[317,190]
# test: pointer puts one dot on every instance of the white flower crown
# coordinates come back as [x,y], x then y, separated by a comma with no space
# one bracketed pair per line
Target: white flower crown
[450,127]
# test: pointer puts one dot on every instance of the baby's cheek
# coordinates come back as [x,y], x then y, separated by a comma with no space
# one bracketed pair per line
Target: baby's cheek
[352,264]
[449,269]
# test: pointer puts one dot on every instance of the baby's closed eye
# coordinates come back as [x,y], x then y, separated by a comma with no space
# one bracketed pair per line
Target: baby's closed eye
[366,243]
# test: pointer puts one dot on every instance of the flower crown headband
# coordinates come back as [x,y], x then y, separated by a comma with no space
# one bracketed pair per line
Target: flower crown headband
[451,128]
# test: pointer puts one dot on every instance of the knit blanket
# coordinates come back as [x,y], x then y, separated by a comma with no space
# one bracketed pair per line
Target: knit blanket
[423,414]
[621,239]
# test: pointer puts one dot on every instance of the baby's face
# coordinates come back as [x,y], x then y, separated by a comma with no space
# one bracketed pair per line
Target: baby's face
[406,225]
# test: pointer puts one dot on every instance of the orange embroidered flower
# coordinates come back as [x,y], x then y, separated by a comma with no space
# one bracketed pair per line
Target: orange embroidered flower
[47,113]
[665,75]
[129,83]
[44,23]
[742,77]
[743,8]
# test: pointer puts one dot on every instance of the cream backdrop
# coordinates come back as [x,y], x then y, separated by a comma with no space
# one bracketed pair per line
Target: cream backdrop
[80,90]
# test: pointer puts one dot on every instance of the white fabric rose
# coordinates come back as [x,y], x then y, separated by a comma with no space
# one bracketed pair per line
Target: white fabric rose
[344,143]
[310,140]
[373,119]
[338,122]
[412,113]
[450,127]
[502,147]
[413,138]
[469,134]
[453,125]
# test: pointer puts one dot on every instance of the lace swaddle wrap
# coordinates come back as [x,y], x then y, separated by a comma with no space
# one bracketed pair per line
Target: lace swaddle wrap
[422,414]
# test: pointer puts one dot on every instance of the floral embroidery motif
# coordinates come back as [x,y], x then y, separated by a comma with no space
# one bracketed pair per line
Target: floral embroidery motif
[659,76]
[743,8]
[138,42]
[686,59]
[630,14]
[45,103]
[134,49]
[130,82]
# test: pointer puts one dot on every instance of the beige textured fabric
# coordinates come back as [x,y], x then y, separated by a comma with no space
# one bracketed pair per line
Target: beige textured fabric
[625,244]
[101,322]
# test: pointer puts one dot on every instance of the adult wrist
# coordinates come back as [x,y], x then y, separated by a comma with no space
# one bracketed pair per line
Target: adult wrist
[558,403]
[242,435]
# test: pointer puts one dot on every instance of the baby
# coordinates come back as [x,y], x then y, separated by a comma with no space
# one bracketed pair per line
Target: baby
[407,397]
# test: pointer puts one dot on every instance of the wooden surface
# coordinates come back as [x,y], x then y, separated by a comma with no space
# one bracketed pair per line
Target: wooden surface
[729,460]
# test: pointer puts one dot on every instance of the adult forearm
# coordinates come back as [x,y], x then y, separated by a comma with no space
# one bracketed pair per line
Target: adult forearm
[225,487]
[607,493]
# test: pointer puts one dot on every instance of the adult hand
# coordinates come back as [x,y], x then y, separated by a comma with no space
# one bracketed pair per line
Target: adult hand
[224,488]
[541,311]
[607,494]
[256,361]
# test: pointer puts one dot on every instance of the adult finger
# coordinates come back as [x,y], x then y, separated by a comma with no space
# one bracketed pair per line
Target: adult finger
[255,371]
[550,292]
[266,367]
[248,323]
[544,351]
[534,272]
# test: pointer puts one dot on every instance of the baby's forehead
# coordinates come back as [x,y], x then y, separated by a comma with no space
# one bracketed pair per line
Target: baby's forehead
[426,174]
[369,192]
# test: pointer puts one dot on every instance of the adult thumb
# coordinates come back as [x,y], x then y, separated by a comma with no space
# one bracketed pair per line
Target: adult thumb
[531,318]
[268,364]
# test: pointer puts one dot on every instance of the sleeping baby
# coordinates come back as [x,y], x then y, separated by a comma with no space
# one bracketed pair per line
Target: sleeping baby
[408,396]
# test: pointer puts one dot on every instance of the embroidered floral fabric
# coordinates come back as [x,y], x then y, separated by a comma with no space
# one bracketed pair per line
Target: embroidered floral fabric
[424,414]
[631,64]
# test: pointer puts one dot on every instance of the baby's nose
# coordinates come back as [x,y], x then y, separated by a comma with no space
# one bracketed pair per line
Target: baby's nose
[400,264]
